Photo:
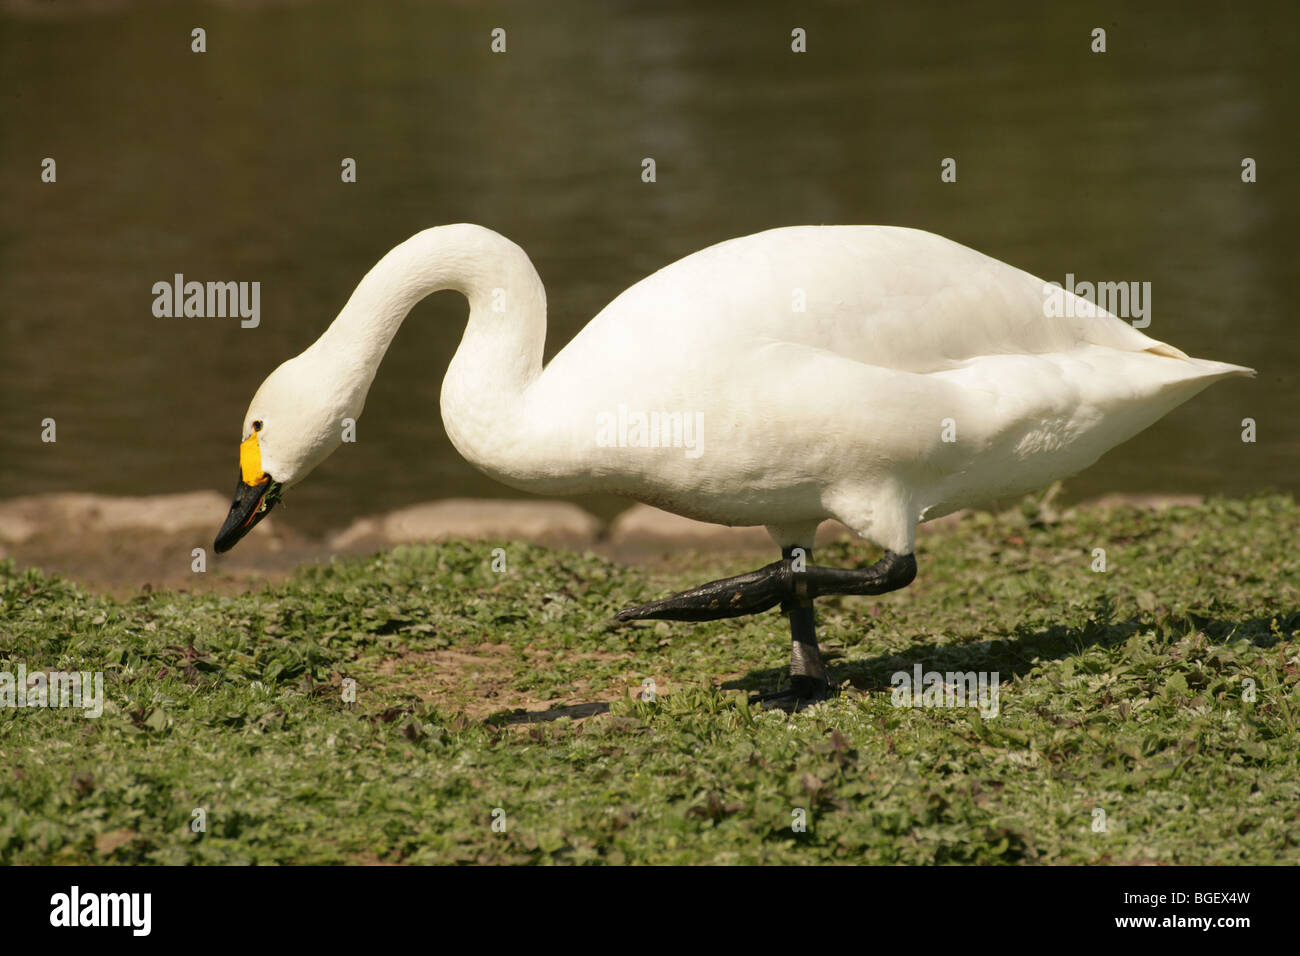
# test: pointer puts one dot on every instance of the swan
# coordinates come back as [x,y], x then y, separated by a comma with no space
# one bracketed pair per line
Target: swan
[879,375]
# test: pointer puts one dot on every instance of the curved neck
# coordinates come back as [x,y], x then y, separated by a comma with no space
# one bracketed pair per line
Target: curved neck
[500,352]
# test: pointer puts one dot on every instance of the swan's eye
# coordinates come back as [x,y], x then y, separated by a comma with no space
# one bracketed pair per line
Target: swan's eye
[257,425]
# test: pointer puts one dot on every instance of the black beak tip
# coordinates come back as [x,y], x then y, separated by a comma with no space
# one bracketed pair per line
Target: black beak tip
[250,505]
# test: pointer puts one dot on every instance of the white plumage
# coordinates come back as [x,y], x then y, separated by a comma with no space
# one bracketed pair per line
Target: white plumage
[836,411]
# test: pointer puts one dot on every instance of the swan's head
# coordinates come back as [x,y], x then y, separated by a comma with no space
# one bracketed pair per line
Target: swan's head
[291,426]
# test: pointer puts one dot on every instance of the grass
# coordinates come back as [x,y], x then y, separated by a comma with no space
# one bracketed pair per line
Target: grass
[1121,692]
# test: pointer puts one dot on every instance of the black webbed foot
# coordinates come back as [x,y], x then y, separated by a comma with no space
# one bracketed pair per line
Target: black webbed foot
[773,584]
[750,593]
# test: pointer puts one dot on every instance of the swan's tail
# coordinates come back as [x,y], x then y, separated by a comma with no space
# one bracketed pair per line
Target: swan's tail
[1204,368]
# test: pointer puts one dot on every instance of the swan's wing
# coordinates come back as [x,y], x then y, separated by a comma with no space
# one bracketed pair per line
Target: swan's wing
[887,296]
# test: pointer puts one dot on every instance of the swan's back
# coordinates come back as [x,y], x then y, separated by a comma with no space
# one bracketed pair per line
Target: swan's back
[886,296]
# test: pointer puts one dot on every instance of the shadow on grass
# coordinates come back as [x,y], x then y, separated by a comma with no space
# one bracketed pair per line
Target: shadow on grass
[1011,656]
[1021,652]
[576,711]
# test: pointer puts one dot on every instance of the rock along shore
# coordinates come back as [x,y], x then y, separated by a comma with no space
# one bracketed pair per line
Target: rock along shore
[121,545]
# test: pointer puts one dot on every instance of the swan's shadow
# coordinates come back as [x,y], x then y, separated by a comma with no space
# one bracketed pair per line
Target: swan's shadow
[576,711]
[1015,655]
[1010,657]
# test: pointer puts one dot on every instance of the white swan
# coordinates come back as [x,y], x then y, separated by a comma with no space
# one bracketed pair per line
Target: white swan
[919,377]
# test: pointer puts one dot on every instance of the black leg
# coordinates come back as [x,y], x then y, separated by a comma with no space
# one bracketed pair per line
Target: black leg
[890,573]
[782,583]
[750,593]
[808,681]
[772,584]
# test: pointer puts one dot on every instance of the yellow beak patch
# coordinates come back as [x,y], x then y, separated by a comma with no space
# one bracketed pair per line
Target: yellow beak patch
[250,461]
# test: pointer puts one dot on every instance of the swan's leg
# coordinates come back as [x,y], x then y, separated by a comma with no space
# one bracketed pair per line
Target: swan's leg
[890,573]
[773,584]
[780,583]
[808,680]
[744,594]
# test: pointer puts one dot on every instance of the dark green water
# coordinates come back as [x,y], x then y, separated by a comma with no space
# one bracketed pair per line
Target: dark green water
[225,166]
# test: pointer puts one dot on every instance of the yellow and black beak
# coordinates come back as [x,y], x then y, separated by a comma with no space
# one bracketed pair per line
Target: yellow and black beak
[255,495]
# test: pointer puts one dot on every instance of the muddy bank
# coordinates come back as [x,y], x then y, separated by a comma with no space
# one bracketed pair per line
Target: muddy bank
[121,545]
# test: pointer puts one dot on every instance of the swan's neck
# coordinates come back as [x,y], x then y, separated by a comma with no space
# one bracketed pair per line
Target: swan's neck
[500,353]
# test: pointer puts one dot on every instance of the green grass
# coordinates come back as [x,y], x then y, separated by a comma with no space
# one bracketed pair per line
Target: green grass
[1121,691]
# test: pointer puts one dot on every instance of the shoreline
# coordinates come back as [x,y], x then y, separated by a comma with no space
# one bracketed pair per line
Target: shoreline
[124,545]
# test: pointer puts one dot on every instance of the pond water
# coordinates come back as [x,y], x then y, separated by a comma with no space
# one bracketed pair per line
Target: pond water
[1120,166]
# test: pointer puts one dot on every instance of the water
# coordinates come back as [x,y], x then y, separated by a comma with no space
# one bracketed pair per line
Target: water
[225,165]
